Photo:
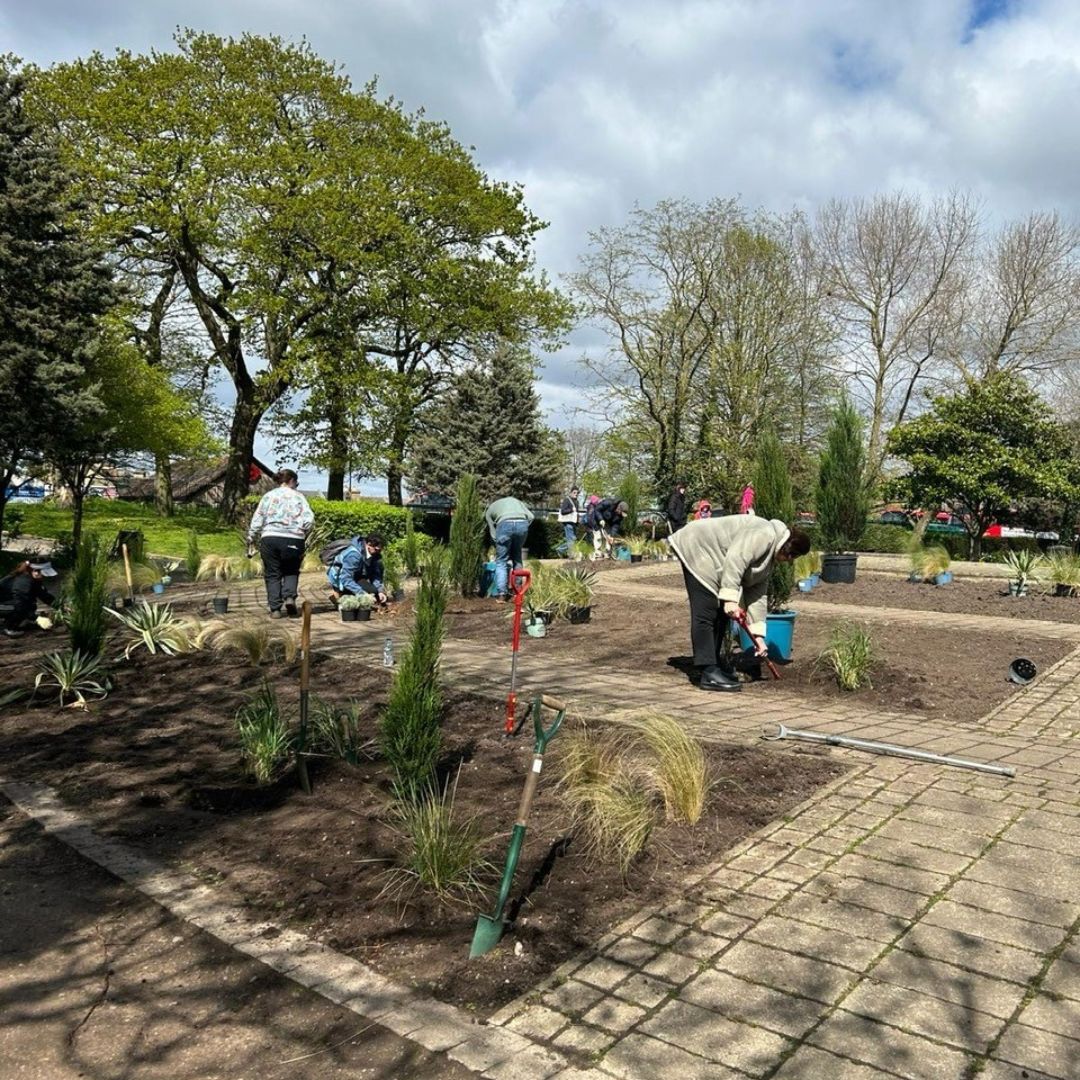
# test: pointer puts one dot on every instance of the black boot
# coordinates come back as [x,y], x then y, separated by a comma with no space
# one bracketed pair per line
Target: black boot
[715,678]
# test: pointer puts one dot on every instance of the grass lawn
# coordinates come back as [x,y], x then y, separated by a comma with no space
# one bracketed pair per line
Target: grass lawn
[164,536]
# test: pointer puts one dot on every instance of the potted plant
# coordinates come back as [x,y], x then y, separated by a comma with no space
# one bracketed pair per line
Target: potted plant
[842,498]
[936,564]
[220,605]
[1022,566]
[637,547]
[356,607]
[804,572]
[540,599]
[392,576]
[575,594]
[1063,570]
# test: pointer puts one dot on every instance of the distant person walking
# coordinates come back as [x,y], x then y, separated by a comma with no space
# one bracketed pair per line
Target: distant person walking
[281,523]
[703,510]
[676,508]
[569,515]
[508,525]
[747,504]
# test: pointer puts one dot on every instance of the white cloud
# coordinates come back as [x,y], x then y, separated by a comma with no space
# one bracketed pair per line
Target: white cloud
[597,104]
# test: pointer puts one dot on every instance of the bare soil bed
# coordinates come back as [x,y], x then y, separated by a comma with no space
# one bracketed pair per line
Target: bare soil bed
[920,668]
[156,763]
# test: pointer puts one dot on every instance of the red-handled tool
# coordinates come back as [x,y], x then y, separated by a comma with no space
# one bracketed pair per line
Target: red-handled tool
[746,629]
[520,580]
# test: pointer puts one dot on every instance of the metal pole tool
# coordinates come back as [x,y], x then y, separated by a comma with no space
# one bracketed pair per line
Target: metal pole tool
[887,748]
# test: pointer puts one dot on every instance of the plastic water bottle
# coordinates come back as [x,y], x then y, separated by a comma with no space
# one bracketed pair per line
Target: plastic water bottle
[388,653]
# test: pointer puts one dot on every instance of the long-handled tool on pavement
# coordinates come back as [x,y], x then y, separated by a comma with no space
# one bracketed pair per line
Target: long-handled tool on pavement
[891,749]
[520,580]
[746,630]
[489,930]
[305,679]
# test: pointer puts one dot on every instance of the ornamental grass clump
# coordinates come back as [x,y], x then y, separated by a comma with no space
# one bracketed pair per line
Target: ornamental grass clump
[468,537]
[74,674]
[194,556]
[678,766]
[443,856]
[257,640]
[1063,571]
[849,656]
[86,598]
[410,733]
[337,730]
[265,739]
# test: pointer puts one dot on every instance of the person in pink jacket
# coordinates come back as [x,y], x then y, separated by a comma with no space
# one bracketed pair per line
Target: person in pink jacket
[747,505]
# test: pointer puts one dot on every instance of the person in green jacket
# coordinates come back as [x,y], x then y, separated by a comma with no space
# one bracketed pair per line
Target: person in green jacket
[726,563]
[508,524]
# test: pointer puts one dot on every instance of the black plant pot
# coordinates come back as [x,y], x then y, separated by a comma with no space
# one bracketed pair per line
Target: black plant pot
[579,614]
[635,558]
[363,614]
[221,605]
[839,569]
[544,616]
[1063,590]
[349,614]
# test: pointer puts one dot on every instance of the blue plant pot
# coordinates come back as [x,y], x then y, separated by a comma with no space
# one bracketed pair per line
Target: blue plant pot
[487,580]
[943,578]
[157,587]
[806,585]
[622,554]
[814,579]
[779,635]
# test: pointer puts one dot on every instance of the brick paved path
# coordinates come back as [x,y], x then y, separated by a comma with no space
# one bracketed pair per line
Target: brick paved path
[910,920]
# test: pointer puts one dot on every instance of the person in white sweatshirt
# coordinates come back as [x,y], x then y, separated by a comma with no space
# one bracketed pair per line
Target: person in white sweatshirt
[281,523]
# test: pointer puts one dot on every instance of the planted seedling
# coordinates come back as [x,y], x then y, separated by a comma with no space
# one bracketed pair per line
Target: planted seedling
[849,656]
[74,674]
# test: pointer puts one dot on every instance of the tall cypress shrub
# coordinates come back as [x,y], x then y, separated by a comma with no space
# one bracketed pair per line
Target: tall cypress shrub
[773,499]
[410,733]
[87,590]
[842,499]
[630,493]
[467,536]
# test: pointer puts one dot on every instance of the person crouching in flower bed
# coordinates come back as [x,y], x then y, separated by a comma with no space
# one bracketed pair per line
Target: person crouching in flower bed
[19,593]
[726,563]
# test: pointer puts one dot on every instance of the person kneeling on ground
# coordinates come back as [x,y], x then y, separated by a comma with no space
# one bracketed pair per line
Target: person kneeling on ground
[604,520]
[358,569]
[508,525]
[726,563]
[19,593]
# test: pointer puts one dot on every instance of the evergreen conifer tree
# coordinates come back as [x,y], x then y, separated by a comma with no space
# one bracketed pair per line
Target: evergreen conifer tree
[489,424]
[53,284]
[773,499]
[842,500]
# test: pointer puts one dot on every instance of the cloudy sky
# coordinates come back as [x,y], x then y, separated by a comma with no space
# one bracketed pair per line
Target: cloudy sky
[597,104]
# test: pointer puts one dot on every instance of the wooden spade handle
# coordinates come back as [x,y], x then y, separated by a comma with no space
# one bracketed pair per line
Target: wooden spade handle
[127,567]
[552,703]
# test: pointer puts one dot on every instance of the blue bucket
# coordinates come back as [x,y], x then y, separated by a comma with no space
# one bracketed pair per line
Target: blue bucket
[779,635]
[622,554]
[806,585]
[487,580]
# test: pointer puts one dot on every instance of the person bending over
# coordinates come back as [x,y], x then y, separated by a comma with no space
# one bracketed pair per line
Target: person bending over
[604,520]
[726,563]
[19,593]
[508,525]
[358,569]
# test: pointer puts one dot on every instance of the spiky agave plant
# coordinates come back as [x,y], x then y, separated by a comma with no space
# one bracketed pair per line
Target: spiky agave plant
[74,674]
[155,628]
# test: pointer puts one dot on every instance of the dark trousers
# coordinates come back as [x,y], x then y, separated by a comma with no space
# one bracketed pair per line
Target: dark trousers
[281,559]
[707,622]
[17,612]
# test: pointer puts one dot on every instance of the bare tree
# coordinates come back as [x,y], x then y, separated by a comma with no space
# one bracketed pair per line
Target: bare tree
[894,271]
[649,285]
[1021,310]
[584,449]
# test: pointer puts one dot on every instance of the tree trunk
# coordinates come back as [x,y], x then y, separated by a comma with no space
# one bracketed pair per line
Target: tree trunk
[245,422]
[339,448]
[395,466]
[393,483]
[78,496]
[335,484]
[163,493]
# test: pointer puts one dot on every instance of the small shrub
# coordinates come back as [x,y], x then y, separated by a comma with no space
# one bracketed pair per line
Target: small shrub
[410,549]
[842,499]
[773,499]
[336,730]
[849,656]
[630,493]
[87,594]
[361,601]
[804,566]
[143,575]
[265,740]
[410,733]
[257,640]
[194,556]
[75,674]
[468,534]
[13,522]
[443,855]
[229,568]
[1063,570]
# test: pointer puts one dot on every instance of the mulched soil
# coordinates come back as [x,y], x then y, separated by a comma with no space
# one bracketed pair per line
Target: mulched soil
[156,763]
[920,669]
[959,597]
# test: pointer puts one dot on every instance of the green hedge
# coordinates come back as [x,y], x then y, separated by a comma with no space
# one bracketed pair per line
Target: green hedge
[354,517]
[545,535]
[894,540]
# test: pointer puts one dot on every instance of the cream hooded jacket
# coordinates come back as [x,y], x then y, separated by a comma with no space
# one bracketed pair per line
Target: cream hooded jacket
[732,556]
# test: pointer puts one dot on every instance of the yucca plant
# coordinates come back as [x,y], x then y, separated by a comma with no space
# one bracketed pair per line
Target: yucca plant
[442,855]
[75,674]
[678,764]
[155,628]
[850,656]
[336,730]
[573,587]
[258,640]
[86,597]
[1023,566]
[265,739]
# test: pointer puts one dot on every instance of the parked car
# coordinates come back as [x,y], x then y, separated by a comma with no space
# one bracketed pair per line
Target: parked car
[895,517]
